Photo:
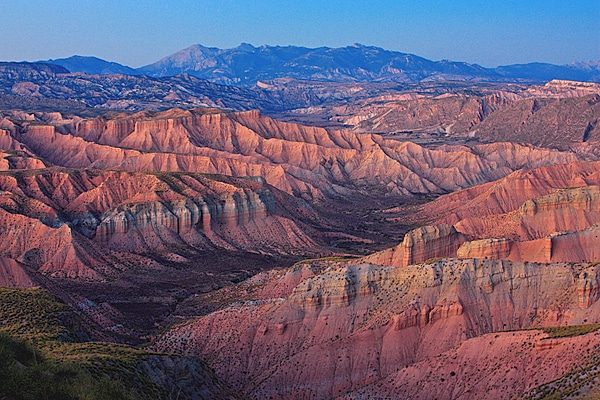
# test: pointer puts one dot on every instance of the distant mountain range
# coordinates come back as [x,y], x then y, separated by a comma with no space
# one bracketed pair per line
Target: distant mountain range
[43,86]
[93,65]
[247,64]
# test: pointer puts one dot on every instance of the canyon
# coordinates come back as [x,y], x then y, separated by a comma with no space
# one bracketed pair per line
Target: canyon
[413,229]
[409,318]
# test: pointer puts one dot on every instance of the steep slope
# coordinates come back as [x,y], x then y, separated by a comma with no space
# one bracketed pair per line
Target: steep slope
[71,223]
[526,216]
[302,160]
[511,192]
[13,274]
[342,328]
[498,366]
[66,364]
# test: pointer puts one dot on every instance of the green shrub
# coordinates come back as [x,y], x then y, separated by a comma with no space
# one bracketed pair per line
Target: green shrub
[27,375]
[571,330]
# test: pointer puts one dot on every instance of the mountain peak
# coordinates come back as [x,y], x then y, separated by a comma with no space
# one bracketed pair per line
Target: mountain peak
[200,46]
[246,64]
[246,46]
[91,65]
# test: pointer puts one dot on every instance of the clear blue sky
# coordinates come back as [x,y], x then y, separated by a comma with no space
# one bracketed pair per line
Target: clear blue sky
[138,32]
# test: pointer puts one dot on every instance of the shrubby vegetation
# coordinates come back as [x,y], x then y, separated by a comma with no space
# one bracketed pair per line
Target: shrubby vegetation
[26,373]
[571,330]
[41,358]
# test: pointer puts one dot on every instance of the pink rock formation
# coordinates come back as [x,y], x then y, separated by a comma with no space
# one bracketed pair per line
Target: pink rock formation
[420,245]
[549,214]
[557,227]
[70,223]
[511,192]
[359,325]
[18,160]
[485,248]
[13,274]
[51,250]
[493,366]
[312,162]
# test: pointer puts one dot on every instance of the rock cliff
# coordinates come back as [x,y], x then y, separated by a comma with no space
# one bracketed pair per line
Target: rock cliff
[345,328]
[549,214]
[72,223]
[420,245]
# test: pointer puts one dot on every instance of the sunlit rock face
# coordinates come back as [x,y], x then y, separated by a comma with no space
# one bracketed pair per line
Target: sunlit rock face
[306,161]
[70,223]
[361,327]
[420,245]
[548,214]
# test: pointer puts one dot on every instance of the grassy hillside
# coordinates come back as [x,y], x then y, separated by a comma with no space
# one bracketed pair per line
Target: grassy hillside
[42,357]
[26,373]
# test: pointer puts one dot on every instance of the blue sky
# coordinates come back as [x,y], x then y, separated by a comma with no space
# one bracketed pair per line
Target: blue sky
[139,32]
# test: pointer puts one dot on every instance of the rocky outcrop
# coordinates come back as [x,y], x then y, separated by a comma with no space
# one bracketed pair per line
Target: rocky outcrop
[236,222]
[494,366]
[70,223]
[510,192]
[538,250]
[574,246]
[302,160]
[485,248]
[588,286]
[559,227]
[18,160]
[549,214]
[52,250]
[347,328]
[561,88]
[578,246]
[420,245]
